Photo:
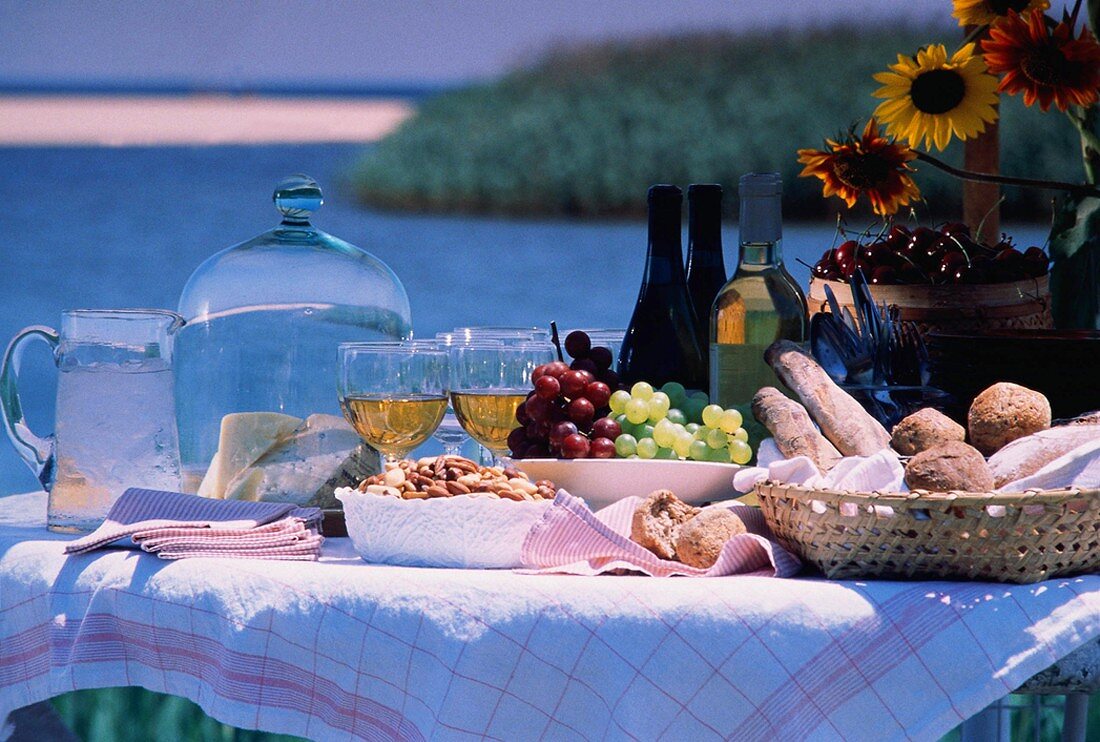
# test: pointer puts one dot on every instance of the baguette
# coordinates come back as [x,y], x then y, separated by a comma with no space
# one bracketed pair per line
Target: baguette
[841,418]
[1025,456]
[792,428]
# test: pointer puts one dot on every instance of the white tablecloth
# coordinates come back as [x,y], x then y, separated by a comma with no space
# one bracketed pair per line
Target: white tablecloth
[339,649]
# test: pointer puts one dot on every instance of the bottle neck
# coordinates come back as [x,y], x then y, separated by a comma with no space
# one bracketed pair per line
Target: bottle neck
[705,236]
[761,227]
[760,255]
[665,260]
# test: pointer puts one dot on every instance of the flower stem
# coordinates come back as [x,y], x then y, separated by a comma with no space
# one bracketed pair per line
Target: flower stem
[1086,120]
[1056,185]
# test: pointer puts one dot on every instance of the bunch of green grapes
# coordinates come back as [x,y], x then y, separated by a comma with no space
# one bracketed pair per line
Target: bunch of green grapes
[673,423]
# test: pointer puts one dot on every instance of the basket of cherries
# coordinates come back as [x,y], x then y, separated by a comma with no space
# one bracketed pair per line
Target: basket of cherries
[925,256]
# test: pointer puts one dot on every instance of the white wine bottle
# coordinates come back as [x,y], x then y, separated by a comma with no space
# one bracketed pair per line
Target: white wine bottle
[760,304]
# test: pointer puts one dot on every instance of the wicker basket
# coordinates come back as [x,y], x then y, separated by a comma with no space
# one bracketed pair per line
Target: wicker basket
[953,308]
[1031,536]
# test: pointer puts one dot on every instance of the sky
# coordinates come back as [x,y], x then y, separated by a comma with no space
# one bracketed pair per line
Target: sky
[236,43]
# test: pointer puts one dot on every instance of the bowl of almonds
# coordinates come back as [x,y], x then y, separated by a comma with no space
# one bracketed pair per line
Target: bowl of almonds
[444,511]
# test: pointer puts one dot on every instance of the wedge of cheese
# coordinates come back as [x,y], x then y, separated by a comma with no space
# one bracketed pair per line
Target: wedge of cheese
[244,438]
[305,467]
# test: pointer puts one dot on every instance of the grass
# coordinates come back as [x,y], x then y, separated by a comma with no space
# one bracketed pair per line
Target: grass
[136,715]
[584,131]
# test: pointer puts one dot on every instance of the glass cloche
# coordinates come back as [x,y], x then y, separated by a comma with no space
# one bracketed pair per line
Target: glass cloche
[264,319]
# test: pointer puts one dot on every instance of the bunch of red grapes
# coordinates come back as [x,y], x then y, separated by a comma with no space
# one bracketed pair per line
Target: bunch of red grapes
[566,413]
[928,256]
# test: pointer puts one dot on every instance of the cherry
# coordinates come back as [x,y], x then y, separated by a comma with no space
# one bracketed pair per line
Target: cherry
[884,275]
[1008,265]
[1036,262]
[951,262]
[898,235]
[846,253]
[956,228]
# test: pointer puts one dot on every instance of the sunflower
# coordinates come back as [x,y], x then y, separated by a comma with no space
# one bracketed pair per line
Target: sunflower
[931,97]
[869,165]
[1048,65]
[989,12]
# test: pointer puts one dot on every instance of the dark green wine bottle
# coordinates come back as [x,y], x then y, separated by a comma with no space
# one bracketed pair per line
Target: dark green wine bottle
[661,342]
[706,267]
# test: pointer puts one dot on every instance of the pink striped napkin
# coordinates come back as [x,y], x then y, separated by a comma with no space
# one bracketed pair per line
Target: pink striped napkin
[572,539]
[173,526]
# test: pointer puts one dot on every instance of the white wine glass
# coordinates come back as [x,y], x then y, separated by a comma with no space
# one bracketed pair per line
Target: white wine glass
[393,394]
[488,384]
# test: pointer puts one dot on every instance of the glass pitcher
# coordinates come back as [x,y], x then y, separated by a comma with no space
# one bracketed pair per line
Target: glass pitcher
[115,422]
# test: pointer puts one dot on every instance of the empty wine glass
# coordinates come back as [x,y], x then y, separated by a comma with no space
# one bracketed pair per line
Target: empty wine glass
[394,394]
[504,335]
[488,383]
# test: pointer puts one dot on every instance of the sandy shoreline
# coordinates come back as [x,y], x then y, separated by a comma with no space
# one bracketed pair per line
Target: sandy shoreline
[121,120]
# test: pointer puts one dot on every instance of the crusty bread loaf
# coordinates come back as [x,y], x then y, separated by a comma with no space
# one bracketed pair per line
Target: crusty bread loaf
[1025,456]
[657,520]
[700,539]
[842,419]
[925,429]
[1003,413]
[952,466]
[792,428]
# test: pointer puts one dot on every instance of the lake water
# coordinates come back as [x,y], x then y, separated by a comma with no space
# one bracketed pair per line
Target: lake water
[124,227]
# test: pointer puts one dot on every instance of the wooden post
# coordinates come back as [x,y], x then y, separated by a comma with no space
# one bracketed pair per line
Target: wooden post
[981,200]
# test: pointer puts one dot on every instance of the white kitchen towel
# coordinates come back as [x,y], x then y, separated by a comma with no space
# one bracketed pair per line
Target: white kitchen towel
[880,472]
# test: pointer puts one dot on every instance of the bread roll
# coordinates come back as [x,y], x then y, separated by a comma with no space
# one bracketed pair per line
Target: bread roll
[657,520]
[700,540]
[952,466]
[925,429]
[842,419]
[792,428]
[1003,413]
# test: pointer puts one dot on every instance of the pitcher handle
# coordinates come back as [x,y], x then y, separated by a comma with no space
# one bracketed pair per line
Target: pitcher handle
[37,451]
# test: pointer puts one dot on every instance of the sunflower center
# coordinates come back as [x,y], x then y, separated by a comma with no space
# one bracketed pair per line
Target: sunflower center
[1001,7]
[937,91]
[1045,66]
[861,171]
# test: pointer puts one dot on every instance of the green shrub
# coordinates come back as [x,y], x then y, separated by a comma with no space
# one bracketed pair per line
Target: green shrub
[585,130]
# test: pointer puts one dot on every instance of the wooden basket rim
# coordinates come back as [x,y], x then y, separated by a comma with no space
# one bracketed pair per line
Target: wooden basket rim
[916,498]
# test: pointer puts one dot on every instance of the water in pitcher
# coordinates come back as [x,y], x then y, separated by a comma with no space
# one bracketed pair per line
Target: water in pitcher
[115,429]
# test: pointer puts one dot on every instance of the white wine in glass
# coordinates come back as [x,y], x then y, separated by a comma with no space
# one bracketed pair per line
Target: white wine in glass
[488,416]
[488,384]
[393,394]
[395,424]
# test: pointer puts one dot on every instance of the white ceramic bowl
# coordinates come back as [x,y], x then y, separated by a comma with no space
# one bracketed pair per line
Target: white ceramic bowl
[602,482]
[461,531]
